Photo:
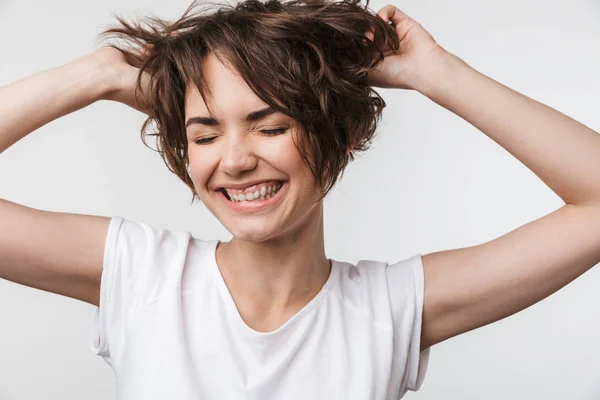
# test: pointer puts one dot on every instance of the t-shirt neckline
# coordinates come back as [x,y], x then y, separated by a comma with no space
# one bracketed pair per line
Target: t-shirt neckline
[265,336]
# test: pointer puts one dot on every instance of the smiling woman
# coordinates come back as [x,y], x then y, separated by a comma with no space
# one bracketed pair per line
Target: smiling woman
[258,108]
[304,60]
[229,151]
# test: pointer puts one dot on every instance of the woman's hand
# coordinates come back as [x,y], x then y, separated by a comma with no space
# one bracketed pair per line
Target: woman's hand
[122,76]
[418,49]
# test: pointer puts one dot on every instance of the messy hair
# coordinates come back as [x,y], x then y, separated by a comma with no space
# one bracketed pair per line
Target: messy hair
[308,59]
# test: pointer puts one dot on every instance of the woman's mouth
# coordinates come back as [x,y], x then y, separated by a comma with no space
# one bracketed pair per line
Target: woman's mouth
[252,201]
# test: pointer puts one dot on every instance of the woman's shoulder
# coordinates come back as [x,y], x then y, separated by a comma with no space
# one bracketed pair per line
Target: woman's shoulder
[151,232]
[372,283]
[371,269]
[136,242]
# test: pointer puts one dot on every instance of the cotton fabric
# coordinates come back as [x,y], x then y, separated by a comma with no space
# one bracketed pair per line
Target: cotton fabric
[169,328]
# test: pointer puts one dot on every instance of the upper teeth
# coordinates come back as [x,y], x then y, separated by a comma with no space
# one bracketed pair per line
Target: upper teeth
[260,192]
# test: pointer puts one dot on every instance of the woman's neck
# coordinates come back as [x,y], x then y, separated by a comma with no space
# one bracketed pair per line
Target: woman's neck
[274,276]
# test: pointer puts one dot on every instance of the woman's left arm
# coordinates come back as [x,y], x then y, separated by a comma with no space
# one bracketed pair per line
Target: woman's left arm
[470,287]
[562,152]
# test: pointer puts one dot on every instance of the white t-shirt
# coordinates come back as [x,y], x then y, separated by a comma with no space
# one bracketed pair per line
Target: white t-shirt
[169,328]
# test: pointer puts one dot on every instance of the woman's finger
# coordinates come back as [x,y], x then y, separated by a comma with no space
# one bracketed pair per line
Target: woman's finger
[390,13]
[393,14]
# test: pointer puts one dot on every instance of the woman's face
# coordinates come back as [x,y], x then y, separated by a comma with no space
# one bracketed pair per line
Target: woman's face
[230,150]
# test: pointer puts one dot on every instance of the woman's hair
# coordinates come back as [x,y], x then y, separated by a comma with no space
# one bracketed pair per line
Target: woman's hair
[307,59]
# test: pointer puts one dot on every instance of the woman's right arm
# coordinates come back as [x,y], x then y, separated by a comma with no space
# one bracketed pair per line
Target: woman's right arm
[56,252]
[32,102]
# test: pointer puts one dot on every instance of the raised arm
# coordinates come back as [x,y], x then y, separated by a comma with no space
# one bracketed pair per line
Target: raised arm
[56,252]
[470,287]
[34,101]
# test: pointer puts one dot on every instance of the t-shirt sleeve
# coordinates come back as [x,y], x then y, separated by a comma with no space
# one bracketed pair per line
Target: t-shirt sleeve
[124,251]
[405,281]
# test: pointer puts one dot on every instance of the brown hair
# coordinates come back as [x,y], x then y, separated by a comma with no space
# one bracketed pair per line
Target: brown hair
[307,59]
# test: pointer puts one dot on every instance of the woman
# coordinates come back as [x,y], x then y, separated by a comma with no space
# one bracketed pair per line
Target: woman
[260,129]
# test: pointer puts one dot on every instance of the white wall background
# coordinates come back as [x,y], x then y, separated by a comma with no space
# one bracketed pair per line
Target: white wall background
[439,184]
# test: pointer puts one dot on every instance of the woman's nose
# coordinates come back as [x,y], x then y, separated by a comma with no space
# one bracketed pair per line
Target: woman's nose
[237,157]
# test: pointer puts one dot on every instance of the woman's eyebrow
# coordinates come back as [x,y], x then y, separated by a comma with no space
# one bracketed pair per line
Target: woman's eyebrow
[251,117]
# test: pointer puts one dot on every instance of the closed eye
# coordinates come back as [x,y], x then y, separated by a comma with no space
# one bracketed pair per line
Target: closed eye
[274,131]
[270,132]
[206,140]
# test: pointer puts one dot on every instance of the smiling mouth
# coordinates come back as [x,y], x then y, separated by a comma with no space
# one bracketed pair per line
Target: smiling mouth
[251,197]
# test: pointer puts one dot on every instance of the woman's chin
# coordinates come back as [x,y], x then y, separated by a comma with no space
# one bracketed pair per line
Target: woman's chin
[252,235]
